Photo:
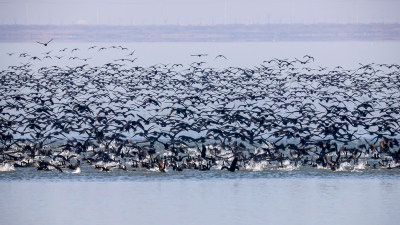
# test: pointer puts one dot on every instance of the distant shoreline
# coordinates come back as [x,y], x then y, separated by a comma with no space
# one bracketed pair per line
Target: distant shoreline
[217,33]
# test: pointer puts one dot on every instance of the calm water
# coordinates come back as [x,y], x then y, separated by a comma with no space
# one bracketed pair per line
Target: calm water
[285,200]
[305,196]
[192,197]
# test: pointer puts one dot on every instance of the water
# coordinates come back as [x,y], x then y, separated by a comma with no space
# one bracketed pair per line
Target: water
[306,196]
[217,201]
[88,173]
[303,196]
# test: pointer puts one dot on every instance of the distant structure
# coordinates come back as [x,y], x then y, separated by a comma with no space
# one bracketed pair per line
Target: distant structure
[223,32]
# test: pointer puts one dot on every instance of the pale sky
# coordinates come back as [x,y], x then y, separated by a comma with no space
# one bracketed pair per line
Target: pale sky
[197,12]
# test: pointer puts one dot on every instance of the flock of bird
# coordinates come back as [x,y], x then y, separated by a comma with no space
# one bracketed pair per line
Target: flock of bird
[279,114]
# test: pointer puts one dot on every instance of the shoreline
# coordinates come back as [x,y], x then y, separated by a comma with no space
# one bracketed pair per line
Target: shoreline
[216,33]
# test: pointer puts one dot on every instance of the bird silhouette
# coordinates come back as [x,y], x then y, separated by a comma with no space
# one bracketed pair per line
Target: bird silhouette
[46,43]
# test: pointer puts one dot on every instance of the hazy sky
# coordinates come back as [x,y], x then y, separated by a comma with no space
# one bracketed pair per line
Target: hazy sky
[197,12]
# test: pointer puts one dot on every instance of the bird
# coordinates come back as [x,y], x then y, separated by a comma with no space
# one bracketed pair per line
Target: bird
[233,165]
[199,55]
[220,56]
[46,43]
[283,114]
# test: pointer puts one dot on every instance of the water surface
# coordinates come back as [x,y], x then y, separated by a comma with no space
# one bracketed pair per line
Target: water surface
[238,200]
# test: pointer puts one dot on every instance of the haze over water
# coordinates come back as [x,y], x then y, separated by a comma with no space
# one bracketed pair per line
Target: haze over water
[242,54]
[197,12]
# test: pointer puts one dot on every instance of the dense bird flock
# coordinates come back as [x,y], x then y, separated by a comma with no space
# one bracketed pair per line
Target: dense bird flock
[172,117]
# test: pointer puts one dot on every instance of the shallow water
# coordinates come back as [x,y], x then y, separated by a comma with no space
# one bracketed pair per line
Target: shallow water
[304,196]
[239,200]
[89,174]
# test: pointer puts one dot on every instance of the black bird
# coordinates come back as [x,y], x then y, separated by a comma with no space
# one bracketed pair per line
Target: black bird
[199,55]
[115,114]
[233,165]
[45,44]
[220,56]
[131,53]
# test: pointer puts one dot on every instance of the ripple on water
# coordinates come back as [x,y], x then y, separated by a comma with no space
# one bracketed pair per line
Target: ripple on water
[88,173]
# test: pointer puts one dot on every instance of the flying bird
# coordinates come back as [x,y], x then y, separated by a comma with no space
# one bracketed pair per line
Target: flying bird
[220,56]
[199,55]
[45,44]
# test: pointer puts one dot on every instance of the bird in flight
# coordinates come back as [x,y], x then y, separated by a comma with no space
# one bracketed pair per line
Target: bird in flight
[220,56]
[131,60]
[199,55]
[45,44]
